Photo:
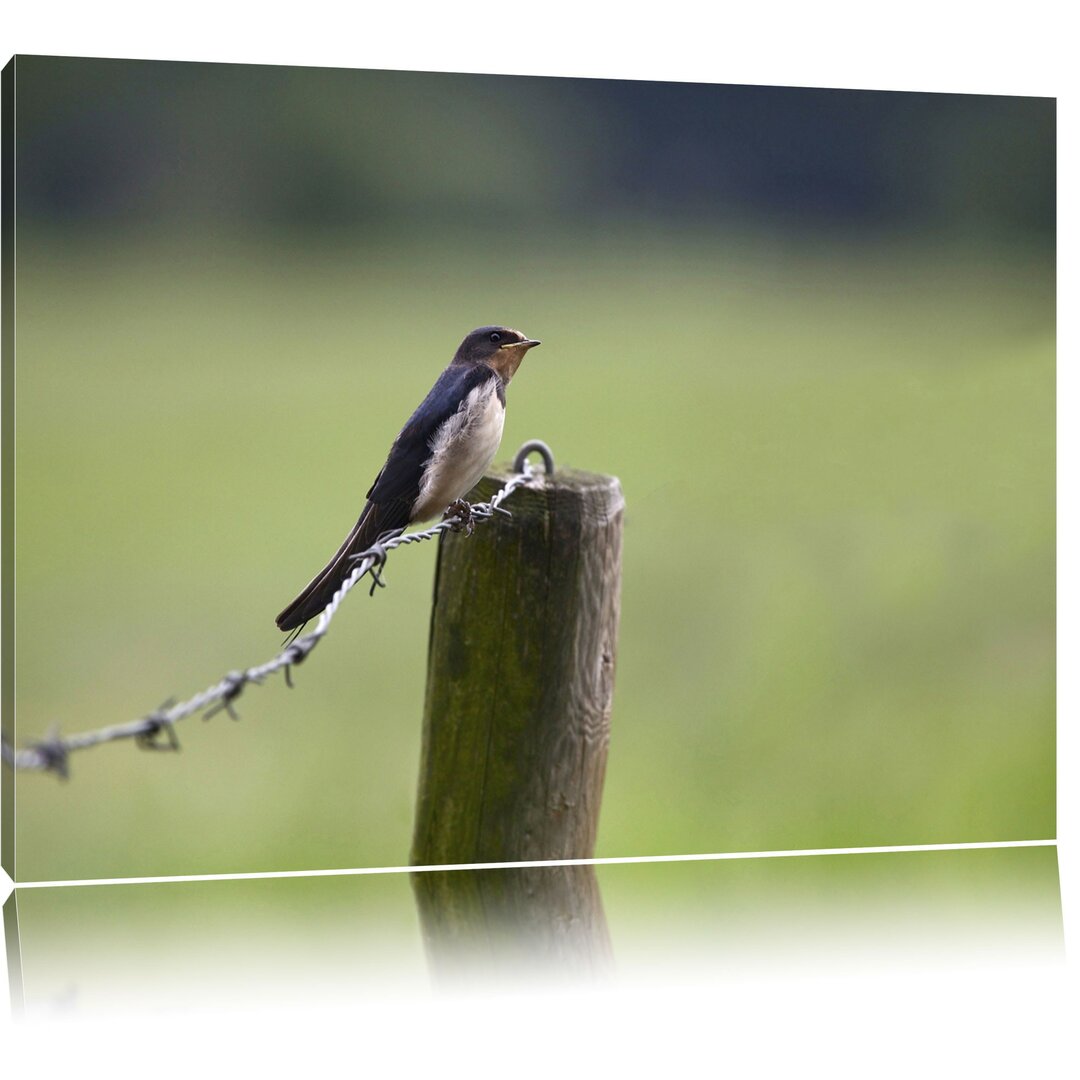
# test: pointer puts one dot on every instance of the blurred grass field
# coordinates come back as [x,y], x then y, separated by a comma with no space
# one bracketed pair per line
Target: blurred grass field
[838,592]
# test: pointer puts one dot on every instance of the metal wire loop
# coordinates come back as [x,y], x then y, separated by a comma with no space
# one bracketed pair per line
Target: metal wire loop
[535,446]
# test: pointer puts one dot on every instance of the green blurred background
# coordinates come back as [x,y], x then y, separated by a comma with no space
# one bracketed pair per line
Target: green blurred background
[812,332]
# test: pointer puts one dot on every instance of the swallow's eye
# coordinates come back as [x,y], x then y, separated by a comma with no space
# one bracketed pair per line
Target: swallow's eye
[496,336]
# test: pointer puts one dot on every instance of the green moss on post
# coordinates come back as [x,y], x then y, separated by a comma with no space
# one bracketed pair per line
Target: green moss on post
[521,669]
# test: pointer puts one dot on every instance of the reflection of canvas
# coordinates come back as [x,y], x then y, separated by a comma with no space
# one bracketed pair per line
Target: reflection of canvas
[810,331]
[129,948]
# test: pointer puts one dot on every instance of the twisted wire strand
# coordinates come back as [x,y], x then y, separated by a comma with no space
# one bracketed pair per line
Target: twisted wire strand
[155,731]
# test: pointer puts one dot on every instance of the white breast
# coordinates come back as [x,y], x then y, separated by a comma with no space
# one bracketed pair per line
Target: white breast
[461,450]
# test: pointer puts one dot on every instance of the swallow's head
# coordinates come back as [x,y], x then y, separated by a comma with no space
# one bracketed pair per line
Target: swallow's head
[497,346]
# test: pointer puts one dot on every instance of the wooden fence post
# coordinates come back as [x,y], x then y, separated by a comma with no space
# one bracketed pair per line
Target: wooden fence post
[521,668]
[514,921]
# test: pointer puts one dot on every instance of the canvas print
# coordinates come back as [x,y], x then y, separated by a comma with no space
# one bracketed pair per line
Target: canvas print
[780,575]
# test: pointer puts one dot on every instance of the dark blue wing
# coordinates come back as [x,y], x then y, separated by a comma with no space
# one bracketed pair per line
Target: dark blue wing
[391,497]
[399,479]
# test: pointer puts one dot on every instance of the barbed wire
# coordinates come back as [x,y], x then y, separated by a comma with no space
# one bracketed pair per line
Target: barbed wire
[156,730]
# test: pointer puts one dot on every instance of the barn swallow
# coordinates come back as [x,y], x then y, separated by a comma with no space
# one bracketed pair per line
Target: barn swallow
[438,456]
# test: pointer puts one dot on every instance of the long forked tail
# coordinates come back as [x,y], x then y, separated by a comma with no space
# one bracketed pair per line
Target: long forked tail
[320,590]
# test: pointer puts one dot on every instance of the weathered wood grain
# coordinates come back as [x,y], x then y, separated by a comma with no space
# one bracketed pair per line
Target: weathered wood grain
[521,671]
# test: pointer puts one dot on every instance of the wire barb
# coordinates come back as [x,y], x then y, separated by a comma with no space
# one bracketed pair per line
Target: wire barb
[155,723]
[52,753]
[234,684]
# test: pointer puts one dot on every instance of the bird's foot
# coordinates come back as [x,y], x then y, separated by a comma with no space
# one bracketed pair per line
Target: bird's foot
[462,510]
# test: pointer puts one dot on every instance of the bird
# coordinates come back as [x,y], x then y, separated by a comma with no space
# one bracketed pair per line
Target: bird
[442,451]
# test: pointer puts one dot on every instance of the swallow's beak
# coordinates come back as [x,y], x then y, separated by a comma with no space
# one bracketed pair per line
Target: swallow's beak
[528,343]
